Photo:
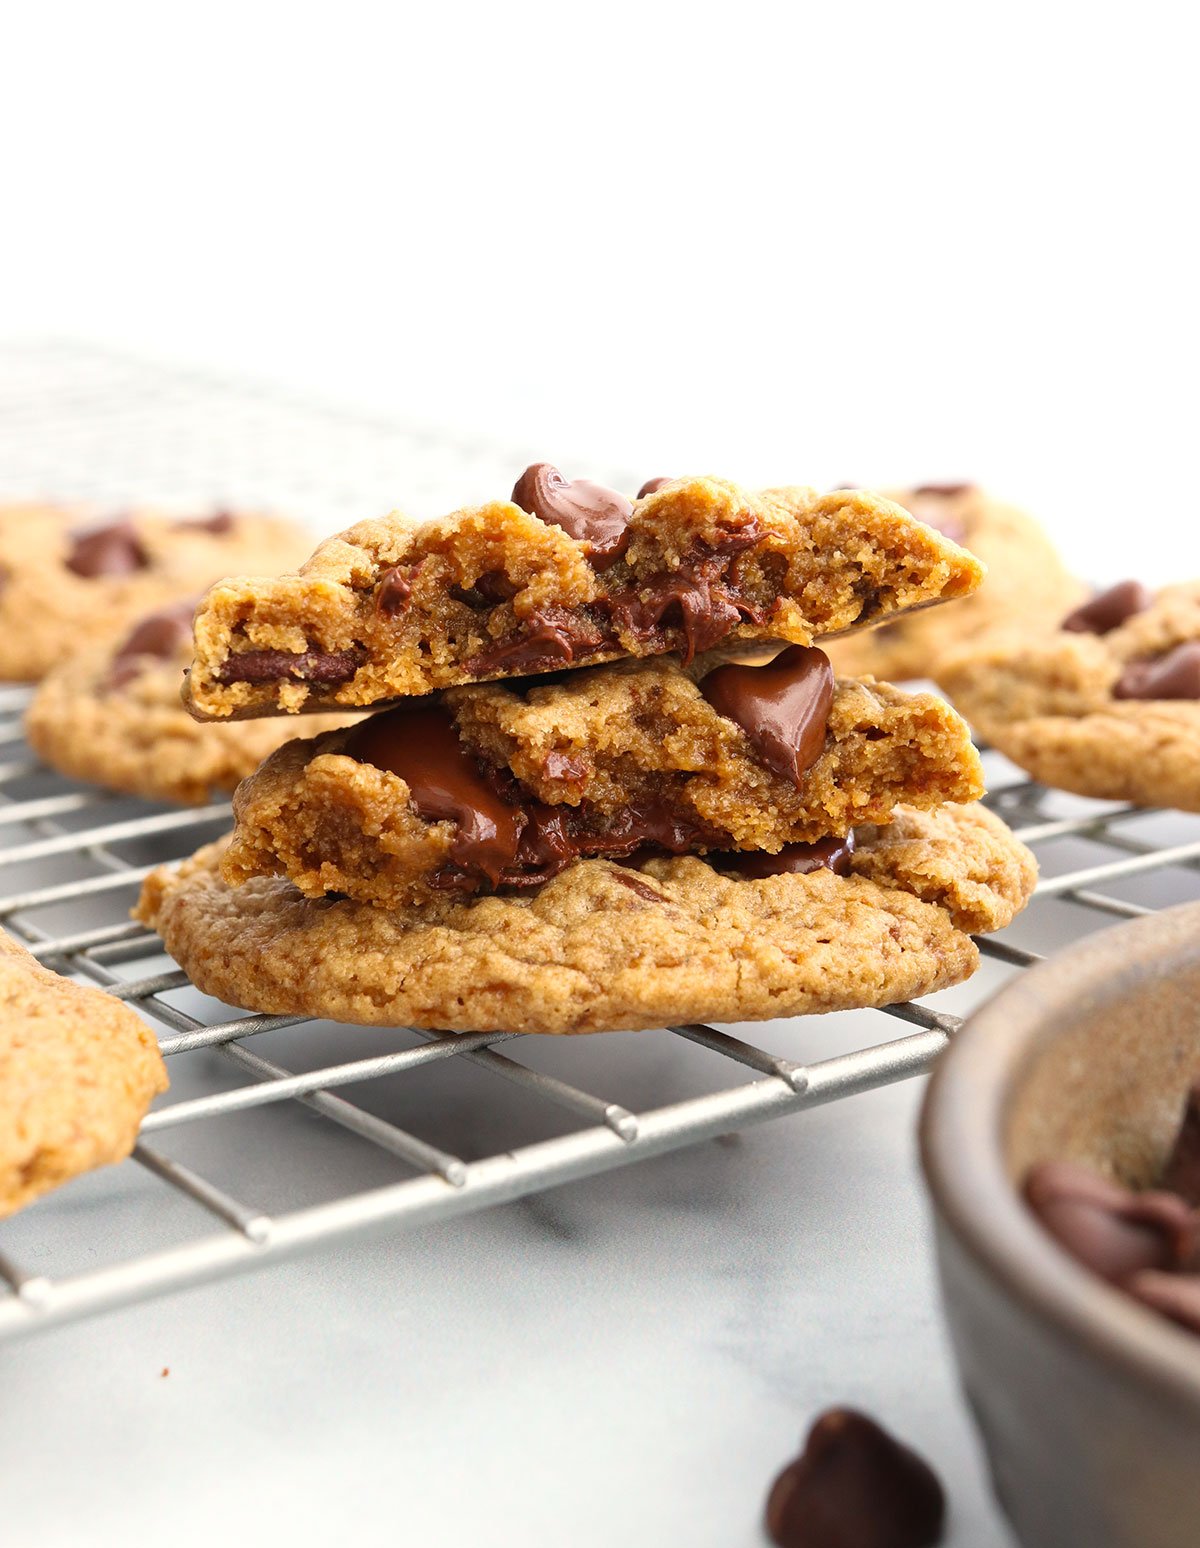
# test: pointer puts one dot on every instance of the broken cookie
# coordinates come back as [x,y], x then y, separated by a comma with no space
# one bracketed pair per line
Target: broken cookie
[502,786]
[563,575]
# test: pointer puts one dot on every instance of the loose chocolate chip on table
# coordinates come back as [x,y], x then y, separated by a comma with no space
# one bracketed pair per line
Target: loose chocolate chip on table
[422,746]
[326,667]
[1173,676]
[830,854]
[588,512]
[1176,1296]
[1181,1174]
[1110,1230]
[102,551]
[1109,609]
[652,486]
[855,1486]
[783,707]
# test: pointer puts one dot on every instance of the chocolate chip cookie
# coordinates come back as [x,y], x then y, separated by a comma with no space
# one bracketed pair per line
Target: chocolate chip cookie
[1027,582]
[1107,705]
[78,1069]
[563,575]
[69,581]
[113,716]
[605,947]
[502,786]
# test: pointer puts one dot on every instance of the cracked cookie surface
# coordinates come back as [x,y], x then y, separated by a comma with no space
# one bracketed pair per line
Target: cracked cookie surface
[604,947]
[393,608]
[600,762]
[70,579]
[78,1069]
[1026,582]
[113,716]
[1081,710]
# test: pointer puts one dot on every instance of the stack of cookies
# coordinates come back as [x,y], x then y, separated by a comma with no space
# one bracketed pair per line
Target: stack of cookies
[609,781]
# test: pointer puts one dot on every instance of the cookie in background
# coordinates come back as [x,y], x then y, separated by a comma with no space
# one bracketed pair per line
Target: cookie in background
[113,716]
[71,578]
[1026,583]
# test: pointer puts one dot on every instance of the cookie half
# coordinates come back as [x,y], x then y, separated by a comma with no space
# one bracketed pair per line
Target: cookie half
[1027,584]
[113,716]
[602,947]
[69,581]
[1107,705]
[565,575]
[78,1069]
[504,785]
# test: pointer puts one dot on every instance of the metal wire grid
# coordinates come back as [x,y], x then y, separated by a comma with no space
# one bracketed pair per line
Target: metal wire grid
[103,846]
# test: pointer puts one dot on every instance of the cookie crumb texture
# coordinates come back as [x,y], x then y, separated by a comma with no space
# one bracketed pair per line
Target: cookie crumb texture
[625,754]
[128,730]
[1026,582]
[1050,704]
[67,583]
[604,948]
[392,608]
[78,1069]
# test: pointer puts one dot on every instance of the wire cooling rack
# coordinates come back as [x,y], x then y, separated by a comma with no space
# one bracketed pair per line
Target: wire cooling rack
[334,1121]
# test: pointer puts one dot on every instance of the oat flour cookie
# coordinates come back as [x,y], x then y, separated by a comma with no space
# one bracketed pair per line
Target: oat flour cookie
[602,947]
[68,581]
[113,716]
[78,1069]
[498,786]
[1026,583]
[564,575]
[1107,705]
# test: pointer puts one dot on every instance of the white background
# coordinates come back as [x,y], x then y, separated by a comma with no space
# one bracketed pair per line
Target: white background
[872,243]
[864,243]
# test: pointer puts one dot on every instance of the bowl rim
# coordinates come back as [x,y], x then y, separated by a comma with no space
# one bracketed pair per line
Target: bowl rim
[961,1122]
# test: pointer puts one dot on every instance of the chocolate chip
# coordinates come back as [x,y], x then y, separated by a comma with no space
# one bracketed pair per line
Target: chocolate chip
[1176,1296]
[855,1486]
[588,512]
[1109,609]
[1109,1229]
[831,854]
[944,491]
[393,592]
[1173,676]
[783,707]
[1181,1174]
[635,884]
[933,504]
[219,524]
[488,590]
[705,602]
[103,551]
[327,667]
[553,636]
[652,486]
[162,634]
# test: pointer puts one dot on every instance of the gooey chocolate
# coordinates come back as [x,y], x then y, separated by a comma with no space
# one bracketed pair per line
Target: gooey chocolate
[829,854]
[855,1486]
[326,667]
[782,707]
[105,551]
[588,512]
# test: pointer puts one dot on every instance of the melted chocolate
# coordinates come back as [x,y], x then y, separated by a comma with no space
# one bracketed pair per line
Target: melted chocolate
[1109,609]
[553,637]
[588,512]
[421,745]
[783,707]
[652,486]
[489,589]
[1110,1230]
[855,1486]
[393,592]
[636,884]
[1173,676]
[107,551]
[326,667]
[830,854]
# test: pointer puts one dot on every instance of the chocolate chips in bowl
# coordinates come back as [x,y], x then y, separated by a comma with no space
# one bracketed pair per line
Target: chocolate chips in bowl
[1071,1319]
